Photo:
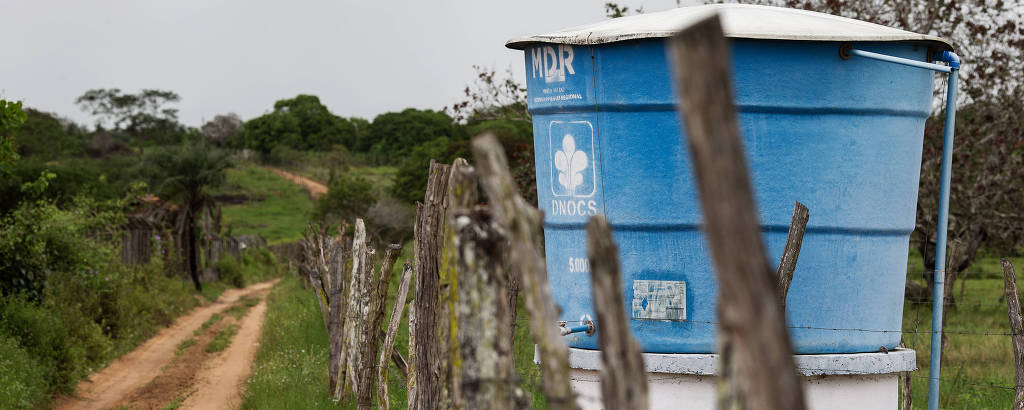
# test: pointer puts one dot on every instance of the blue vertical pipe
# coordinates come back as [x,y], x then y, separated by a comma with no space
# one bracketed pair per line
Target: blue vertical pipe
[940,242]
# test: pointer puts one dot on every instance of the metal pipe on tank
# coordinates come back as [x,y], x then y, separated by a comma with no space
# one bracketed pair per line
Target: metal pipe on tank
[940,242]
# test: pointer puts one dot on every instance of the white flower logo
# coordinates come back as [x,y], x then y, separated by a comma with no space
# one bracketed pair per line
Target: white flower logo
[570,164]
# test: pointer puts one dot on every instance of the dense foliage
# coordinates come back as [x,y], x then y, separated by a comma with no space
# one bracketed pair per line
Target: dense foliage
[392,136]
[301,123]
[69,305]
[11,119]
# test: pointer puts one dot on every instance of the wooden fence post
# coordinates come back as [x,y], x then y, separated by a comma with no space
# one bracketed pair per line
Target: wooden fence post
[522,222]
[375,296]
[462,194]
[336,306]
[361,256]
[906,387]
[757,362]
[383,401]
[410,381]
[486,367]
[431,348]
[623,377]
[794,241]
[1016,329]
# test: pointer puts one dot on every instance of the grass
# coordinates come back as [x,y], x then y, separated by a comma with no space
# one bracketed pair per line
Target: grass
[214,318]
[222,339]
[175,404]
[184,345]
[279,211]
[977,360]
[212,290]
[290,370]
[241,307]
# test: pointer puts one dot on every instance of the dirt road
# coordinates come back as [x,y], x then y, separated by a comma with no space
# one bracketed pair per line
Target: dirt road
[161,371]
[315,189]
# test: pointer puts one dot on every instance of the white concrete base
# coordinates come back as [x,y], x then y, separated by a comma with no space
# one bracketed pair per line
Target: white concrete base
[679,391]
[848,381]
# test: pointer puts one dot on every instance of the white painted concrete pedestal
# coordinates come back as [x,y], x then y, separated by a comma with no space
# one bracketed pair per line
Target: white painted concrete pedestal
[687,381]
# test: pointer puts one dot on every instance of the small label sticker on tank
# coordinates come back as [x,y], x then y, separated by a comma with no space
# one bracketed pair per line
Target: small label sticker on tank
[659,300]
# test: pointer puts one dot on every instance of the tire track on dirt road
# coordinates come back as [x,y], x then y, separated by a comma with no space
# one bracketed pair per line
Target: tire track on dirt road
[135,369]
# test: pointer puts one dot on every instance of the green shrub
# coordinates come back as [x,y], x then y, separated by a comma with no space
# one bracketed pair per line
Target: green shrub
[347,198]
[411,179]
[255,265]
[230,271]
[22,379]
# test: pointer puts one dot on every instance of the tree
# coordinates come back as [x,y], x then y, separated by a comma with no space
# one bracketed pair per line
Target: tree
[301,123]
[48,136]
[498,104]
[411,178]
[11,119]
[392,136]
[221,128]
[491,97]
[186,173]
[347,198]
[145,115]
[986,208]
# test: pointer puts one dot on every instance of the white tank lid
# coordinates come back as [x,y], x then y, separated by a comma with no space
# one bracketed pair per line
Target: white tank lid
[738,21]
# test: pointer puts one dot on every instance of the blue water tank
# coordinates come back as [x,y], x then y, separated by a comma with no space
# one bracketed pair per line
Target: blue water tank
[842,136]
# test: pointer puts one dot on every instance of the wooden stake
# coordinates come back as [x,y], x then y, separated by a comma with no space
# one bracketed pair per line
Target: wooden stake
[431,346]
[623,377]
[522,223]
[376,298]
[906,387]
[794,240]
[383,401]
[347,357]
[757,362]
[462,197]
[486,368]
[1016,328]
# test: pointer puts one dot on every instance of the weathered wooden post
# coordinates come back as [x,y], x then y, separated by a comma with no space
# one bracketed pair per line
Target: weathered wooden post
[1016,329]
[383,401]
[623,377]
[462,194]
[348,357]
[522,223]
[430,348]
[756,359]
[375,296]
[790,254]
[483,369]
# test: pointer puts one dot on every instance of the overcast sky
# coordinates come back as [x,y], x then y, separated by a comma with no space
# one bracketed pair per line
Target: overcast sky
[362,58]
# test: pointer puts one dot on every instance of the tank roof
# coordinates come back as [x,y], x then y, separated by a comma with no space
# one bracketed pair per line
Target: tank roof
[738,21]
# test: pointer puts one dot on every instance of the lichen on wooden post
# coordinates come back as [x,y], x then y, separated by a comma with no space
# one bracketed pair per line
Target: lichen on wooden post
[623,377]
[522,223]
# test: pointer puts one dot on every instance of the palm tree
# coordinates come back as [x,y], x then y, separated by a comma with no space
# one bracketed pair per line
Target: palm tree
[185,173]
